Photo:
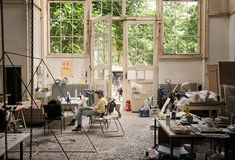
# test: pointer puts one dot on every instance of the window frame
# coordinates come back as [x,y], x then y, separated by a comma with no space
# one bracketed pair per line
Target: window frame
[202,28]
[200,35]
[61,54]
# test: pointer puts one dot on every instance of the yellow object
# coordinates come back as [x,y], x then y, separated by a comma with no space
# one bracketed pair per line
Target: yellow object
[186,110]
[100,107]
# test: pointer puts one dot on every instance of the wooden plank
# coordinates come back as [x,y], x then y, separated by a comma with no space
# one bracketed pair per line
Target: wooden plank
[212,70]
[206,103]
[218,6]
[231,6]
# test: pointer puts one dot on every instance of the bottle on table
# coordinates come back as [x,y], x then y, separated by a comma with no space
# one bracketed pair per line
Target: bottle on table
[168,117]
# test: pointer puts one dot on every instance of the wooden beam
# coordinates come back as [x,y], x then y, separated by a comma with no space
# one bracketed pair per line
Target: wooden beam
[231,7]
[218,7]
[13,1]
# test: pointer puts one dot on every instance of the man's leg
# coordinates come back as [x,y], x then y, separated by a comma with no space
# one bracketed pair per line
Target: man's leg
[72,122]
[78,117]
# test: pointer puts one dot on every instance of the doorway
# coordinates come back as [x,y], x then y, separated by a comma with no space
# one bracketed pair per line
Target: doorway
[13,84]
[101,54]
[117,61]
[139,62]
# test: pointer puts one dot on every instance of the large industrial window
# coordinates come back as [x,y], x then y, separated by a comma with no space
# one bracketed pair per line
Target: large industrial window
[66,27]
[181,27]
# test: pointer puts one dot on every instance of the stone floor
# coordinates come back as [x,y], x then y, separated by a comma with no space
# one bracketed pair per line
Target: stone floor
[137,140]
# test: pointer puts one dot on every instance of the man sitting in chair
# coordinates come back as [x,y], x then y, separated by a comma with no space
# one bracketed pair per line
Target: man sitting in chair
[96,109]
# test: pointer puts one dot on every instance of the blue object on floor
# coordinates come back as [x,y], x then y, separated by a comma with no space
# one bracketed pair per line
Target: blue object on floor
[144,112]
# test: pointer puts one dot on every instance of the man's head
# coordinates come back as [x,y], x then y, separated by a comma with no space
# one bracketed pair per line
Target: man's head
[100,93]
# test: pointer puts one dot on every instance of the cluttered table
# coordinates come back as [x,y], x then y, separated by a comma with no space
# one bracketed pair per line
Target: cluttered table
[13,140]
[178,131]
[13,109]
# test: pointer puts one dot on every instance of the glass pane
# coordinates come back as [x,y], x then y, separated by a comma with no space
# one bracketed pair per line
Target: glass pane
[55,10]
[67,45]
[96,8]
[117,8]
[181,45]
[101,7]
[140,44]
[67,24]
[192,46]
[117,46]
[66,28]
[105,7]
[78,28]
[66,10]
[78,44]
[55,45]
[78,11]
[55,28]
[138,8]
[101,43]
[169,44]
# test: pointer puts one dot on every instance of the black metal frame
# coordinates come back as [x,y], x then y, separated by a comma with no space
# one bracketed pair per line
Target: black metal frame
[5,55]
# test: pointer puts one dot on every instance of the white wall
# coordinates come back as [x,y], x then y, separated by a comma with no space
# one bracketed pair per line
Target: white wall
[232,38]
[218,39]
[80,66]
[15,35]
[180,70]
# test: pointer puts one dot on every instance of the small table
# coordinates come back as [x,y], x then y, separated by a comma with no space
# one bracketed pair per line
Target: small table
[74,102]
[13,140]
[165,135]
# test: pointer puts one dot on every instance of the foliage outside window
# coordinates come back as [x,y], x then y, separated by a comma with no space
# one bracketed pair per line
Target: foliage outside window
[117,46]
[140,44]
[66,27]
[101,43]
[105,7]
[140,8]
[180,27]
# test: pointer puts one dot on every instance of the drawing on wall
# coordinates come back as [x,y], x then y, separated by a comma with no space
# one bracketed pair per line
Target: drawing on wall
[66,68]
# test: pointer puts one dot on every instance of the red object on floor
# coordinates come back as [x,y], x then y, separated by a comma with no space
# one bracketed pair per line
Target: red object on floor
[128,105]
